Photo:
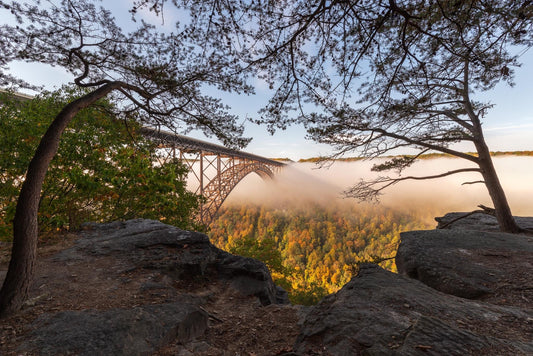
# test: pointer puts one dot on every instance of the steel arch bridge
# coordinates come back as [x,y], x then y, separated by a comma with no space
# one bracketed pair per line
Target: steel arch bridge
[215,169]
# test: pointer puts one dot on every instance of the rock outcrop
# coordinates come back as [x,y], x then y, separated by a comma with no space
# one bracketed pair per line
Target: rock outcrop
[135,331]
[165,261]
[460,291]
[152,245]
[142,287]
[382,313]
[469,264]
[477,221]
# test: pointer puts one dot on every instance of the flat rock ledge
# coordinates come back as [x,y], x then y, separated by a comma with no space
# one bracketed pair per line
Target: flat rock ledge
[477,221]
[382,313]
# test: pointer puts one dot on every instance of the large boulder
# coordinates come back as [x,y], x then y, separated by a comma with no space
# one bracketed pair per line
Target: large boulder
[382,313]
[470,264]
[149,244]
[137,331]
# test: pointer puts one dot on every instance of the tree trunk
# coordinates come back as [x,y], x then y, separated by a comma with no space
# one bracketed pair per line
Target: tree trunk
[504,216]
[25,225]
[503,211]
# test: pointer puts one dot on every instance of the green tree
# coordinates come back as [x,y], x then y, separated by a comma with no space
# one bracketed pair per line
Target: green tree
[103,170]
[160,76]
[264,250]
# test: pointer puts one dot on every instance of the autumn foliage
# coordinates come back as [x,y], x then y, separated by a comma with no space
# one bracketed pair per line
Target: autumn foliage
[312,249]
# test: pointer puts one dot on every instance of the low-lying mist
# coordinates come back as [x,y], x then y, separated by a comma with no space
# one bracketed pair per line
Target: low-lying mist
[303,183]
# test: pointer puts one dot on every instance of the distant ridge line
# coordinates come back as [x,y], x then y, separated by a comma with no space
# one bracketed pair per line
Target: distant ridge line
[424,156]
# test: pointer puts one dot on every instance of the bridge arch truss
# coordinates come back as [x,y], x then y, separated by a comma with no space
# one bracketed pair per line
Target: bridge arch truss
[214,170]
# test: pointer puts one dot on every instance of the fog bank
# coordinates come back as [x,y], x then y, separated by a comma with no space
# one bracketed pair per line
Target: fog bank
[301,183]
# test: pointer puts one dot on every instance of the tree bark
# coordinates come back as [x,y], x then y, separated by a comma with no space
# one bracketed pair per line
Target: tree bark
[19,276]
[504,216]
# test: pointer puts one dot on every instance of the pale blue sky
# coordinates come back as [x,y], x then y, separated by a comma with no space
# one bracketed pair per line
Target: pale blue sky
[508,126]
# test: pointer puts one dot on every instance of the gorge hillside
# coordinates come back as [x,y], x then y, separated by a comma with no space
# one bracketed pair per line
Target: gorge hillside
[313,249]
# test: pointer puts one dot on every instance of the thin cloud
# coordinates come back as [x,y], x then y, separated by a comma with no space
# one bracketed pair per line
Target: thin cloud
[509,127]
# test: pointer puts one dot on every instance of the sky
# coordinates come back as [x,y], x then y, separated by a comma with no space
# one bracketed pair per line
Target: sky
[508,126]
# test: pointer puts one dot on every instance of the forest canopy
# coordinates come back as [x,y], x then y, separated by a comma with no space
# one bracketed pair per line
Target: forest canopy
[313,249]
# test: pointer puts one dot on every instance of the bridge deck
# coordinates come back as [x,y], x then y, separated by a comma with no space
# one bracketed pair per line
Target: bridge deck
[194,145]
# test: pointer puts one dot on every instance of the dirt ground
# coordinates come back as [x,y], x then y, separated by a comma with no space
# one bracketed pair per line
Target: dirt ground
[238,325]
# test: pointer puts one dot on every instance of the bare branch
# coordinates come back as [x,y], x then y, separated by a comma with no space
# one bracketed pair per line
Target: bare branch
[371,190]
[428,145]
[474,182]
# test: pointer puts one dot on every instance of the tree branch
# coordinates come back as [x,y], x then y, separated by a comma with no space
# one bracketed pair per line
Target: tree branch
[427,145]
[370,190]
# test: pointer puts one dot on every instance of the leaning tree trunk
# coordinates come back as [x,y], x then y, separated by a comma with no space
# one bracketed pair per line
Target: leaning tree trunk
[503,213]
[25,225]
[501,206]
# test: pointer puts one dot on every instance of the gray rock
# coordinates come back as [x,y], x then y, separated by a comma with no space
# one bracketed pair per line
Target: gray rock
[249,276]
[382,313]
[477,221]
[282,296]
[150,244]
[137,331]
[467,263]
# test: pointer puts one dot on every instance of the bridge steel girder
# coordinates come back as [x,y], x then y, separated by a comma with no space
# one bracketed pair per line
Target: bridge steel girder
[215,169]
[219,188]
